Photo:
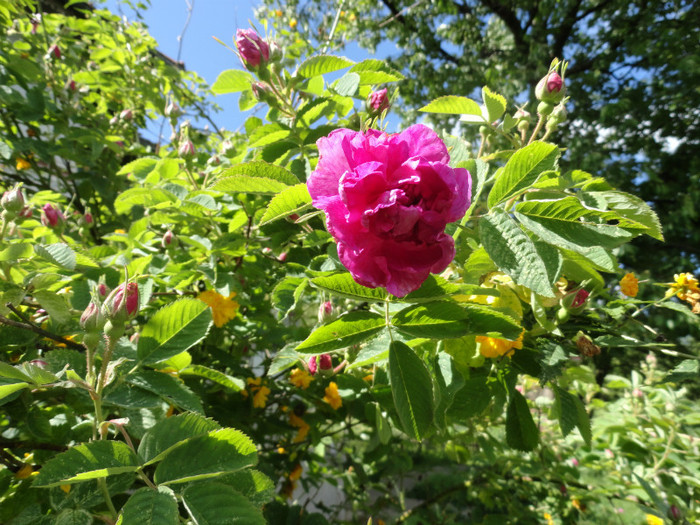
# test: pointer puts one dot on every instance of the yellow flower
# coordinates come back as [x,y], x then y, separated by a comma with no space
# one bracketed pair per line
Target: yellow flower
[654,520]
[629,285]
[687,289]
[548,517]
[332,397]
[293,23]
[577,504]
[66,488]
[24,472]
[22,164]
[295,474]
[260,397]
[119,230]
[302,425]
[300,378]
[223,309]
[278,12]
[496,347]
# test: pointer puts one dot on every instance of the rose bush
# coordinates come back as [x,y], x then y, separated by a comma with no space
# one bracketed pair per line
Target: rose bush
[387,200]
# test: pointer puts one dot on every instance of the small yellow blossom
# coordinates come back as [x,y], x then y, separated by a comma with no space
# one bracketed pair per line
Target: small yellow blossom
[119,230]
[22,164]
[295,474]
[577,504]
[332,396]
[24,472]
[278,12]
[293,23]
[687,289]
[548,517]
[62,345]
[629,285]
[223,309]
[654,520]
[66,488]
[369,378]
[260,397]
[300,378]
[496,347]
[281,450]
[302,425]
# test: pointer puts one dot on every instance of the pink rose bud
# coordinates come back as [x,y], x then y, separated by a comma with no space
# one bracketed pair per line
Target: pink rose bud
[25,213]
[378,102]
[327,308]
[282,257]
[580,298]
[88,218]
[609,453]
[52,217]
[55,51]
[122,304]
[103,290]
[574,462]
[92,319]
[261,91]
[186,149]
[172,110]
[637,393]
[12,201]
[325,362]
[551,88]
[168,240]
[126,114]
[674,513]
[38,362]
[313,366]
[252,49]
[71,85]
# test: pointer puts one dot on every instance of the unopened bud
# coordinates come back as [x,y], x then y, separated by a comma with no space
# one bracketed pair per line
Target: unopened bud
[674,513]
[92,319]
[126,114]
[262,91]
[122,304]
[53,218]
[313,366]
[186,149]
[172,110]
[325,363]
[557,117]
[275,52]
[378,102]
[12,201]
[325,311]
[103,290]
[55,51]
[252,49]
[169,240]
[551,88]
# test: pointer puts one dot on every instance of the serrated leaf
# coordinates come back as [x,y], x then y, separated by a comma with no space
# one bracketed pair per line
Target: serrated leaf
[439,320]
[245,184]
[232,81]
[521,431]
[170,432]
[146,197]
[289,201]
[73,517]
[312,110]
[583,421]
[212,454]
[686,369]
[484,320]
[453,105]
[373,71]
[253,484]
[634,209]
[514,252]
[55,305]
[411,388]
[322,64]
[433,288]
[97,459]
[16,251]
[59,254]
[8,390]
[495,104]
[150,507]
[344,285]
[566,407]
[139,168]
[522,170]
[284,294]
[347,85]
[471,400]
[167,387]
[174,329]
[214,503]
[283,360]
[350,329]
[211,374]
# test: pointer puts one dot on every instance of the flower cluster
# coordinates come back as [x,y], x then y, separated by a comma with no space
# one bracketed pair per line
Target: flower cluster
[223,309]
[387,200]
[259,391]
[332,396]
[685,287]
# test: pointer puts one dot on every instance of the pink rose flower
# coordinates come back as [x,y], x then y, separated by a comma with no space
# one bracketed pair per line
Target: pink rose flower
[251,47]
[387,200]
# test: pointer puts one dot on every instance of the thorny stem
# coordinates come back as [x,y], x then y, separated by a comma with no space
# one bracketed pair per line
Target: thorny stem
[40,331]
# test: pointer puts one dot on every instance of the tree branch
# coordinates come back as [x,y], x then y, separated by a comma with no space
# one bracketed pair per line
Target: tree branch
[40,331]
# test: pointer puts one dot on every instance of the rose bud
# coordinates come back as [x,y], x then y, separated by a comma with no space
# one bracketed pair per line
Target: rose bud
[252,49]
[172,110]
[55,51]
[378,102]
[313,366]
[325,363]
[168,240]
[186,149]
[92,319]
[53,218]
[126,114]
[262,92]
[103,290]
[122,304]
[674,513]
[551,88]
[12,201]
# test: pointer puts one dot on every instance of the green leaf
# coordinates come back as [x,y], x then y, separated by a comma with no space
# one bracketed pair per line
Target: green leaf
[254,177]
[222,379]
[167,387]
[150,507]
[214,503]
[59,254]
[12,372]
[7,390]
[16,251]
[514,252]
[495,104]
[521,431]
[263,170]
[290,200]
[522,170]
[253,484]
[374,71]
[411,388]
[97,459]
[212,454]
[268,134]
[632,208]
[435,287]
[146,197]
[283,360]
[322,64]
[232,81]
[484,320]
[344,285]
[439,320]
[583,421]
[174,329]
[347,85]
[139,168]
[566,407]
[171,432]
[453,105]
[74,517]
[55,305]
[285,294]
[350,329]
[471,400]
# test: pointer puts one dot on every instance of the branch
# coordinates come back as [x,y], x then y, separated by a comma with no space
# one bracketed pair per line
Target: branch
[40,331]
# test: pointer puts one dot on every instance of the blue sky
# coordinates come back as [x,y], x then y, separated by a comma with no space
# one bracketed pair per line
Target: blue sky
[200,52]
